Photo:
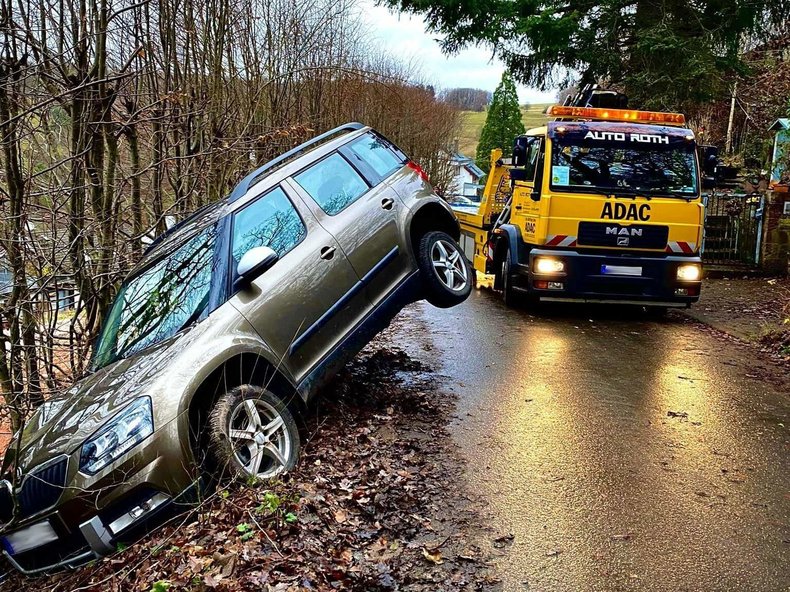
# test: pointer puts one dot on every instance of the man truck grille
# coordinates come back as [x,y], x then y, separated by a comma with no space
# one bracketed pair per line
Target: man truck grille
[612,234]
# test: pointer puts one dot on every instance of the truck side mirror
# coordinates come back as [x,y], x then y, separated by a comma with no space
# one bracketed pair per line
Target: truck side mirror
[518,175]
[520,145]
[710,160]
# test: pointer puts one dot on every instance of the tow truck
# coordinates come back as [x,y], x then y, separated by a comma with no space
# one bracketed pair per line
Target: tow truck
[602,204]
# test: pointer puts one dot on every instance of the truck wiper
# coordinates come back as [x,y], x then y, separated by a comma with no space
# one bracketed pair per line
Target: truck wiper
[672,194]
[620,193]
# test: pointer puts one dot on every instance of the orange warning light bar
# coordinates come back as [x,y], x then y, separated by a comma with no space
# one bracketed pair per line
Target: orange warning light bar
[567,112]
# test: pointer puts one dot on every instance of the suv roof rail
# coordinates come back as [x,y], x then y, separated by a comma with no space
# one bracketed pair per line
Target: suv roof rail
[159,238]
[241,189]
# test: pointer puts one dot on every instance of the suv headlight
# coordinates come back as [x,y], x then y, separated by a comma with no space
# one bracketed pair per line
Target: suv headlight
[130,427]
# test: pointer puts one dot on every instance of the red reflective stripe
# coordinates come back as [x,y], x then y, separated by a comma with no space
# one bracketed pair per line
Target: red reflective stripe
[556,240]
[684,247]
[668,249]
[573,243]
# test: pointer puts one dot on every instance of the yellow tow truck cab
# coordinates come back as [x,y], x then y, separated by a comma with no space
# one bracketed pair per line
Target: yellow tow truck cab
[599,205]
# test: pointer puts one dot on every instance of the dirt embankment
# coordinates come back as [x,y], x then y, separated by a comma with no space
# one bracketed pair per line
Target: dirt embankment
[753,310]
[374,505]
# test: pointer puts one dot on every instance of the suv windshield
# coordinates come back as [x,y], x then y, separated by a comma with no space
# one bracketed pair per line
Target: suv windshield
[159,301]
[623,166]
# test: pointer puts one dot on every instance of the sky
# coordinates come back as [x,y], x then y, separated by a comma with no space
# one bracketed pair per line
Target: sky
[404,36]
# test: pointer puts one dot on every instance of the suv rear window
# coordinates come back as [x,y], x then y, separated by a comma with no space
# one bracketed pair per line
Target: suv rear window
[376,154]
[332,183]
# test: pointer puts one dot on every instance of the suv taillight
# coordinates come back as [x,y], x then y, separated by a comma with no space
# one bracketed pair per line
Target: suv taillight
[418,169]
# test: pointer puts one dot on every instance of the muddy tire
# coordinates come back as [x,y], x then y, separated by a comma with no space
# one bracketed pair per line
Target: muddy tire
[446,273]
[252,433]
[509,295]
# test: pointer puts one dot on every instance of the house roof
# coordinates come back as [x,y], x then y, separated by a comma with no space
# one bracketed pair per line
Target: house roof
[474,169]
[467,162]
[783,123]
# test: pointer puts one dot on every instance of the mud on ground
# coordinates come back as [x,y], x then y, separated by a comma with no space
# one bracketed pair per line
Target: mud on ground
[373,505]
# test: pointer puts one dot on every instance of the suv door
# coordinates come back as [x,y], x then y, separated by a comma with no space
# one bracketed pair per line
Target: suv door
[352,200]
[310,298]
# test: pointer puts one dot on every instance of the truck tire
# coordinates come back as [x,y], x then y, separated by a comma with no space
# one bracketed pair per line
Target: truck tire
[252,434]
[445,271]
[506,281]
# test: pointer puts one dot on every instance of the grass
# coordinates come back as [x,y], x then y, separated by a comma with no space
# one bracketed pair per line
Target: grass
[472,124]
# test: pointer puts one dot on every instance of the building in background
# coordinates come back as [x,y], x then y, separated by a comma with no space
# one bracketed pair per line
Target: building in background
[467,176]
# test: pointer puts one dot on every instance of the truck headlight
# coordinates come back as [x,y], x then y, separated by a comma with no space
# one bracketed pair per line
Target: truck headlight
[548,265]
[689,272]
[130,427]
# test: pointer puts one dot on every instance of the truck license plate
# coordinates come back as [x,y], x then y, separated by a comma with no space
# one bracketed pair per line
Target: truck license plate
[621,270]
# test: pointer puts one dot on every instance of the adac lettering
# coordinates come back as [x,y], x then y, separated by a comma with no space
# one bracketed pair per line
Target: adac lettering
[621,211]
[622,137]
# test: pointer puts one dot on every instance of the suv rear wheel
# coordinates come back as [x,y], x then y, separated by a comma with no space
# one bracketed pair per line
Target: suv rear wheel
[446,273]
[252,433]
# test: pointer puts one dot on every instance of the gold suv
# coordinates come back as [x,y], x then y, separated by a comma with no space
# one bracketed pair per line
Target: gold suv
[227,327]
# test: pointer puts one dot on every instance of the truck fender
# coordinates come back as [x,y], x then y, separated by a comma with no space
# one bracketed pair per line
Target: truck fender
[510,236]
[507,236]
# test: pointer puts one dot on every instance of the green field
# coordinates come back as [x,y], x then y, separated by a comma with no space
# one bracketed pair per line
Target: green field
[472,124]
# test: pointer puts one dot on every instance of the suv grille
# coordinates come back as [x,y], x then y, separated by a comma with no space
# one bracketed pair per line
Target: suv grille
[42,487]
[6,502]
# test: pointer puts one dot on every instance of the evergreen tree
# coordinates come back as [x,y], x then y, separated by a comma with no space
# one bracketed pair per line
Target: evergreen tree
[664,54]
[503,122]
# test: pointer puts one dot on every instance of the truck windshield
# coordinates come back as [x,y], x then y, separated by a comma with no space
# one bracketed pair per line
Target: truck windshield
[649,168]
[157,302]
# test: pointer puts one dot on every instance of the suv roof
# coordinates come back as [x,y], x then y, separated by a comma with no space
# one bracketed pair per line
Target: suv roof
[214,211]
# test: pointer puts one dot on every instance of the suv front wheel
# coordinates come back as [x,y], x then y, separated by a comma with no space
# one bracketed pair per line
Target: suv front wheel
[447,275]
[253,433]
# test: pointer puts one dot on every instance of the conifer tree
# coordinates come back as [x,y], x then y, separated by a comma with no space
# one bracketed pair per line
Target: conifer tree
[503,122]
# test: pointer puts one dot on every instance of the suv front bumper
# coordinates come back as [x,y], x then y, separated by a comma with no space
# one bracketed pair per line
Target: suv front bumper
[620,279]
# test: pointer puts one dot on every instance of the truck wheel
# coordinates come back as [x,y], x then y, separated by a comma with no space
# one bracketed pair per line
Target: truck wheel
[252,434]
[506,281]
[446,273]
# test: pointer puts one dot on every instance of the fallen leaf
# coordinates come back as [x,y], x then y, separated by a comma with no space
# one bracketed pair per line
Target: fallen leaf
[434,557]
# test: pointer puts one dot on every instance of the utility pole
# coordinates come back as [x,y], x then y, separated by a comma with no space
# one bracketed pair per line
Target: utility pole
[728,143]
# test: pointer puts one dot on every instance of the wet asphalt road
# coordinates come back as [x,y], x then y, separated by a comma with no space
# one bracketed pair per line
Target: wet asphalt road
[563,420]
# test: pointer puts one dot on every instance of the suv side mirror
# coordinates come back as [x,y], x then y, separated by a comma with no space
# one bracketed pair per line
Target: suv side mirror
[253,263]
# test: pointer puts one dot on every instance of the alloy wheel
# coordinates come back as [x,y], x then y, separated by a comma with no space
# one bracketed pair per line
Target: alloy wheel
[260,438]
[449,265]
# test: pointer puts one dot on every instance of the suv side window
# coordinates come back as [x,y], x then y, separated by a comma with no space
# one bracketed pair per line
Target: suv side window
[332,183]
[376,154]
[269,221]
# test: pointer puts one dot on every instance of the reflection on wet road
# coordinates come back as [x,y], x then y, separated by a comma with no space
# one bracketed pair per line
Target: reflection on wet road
[621,453]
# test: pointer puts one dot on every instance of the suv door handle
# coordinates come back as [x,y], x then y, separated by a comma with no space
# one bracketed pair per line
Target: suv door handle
[387,203]
[327,253]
